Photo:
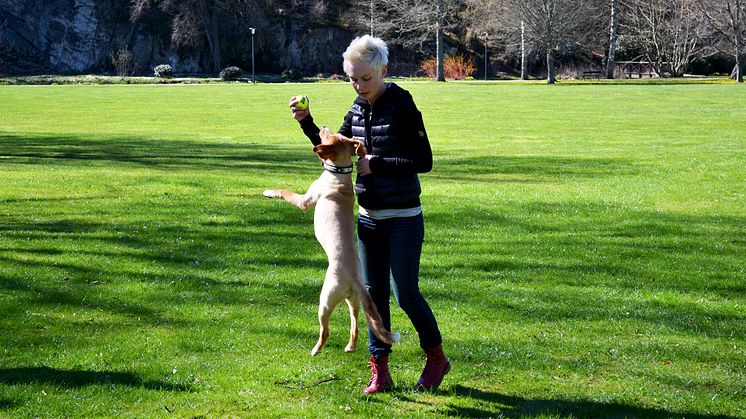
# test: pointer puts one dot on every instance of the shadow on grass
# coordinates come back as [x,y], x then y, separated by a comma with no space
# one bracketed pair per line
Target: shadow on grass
[155,153]
[513,406]
[7,404]
[76,378]
[71,264]
[539,168]
[197,253]
[556,256]
[665,250]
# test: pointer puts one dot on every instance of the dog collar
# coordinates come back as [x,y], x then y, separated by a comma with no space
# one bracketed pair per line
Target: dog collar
[336,169]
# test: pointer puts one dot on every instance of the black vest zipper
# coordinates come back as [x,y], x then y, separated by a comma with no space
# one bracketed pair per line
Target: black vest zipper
[368,115]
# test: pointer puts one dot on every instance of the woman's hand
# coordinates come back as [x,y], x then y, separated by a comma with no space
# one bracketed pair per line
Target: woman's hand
[299,113]
[363,165]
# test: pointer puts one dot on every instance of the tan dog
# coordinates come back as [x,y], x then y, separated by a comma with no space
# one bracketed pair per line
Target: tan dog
[332,195]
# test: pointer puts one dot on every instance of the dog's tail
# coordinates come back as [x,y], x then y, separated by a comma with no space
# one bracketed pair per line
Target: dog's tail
[373,317]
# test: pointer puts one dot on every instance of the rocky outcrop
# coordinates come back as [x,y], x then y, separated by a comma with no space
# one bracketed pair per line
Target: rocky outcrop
[80,36]
[62,36]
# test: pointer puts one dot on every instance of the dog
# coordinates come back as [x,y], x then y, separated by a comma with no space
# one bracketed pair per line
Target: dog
[332,195]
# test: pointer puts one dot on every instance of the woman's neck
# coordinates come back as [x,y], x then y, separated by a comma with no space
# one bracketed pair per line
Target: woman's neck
[381,91]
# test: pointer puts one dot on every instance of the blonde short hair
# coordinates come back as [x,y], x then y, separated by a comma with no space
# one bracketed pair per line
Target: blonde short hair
[369,50]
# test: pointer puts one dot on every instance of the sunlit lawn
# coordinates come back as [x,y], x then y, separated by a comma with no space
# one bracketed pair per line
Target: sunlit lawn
[584,254]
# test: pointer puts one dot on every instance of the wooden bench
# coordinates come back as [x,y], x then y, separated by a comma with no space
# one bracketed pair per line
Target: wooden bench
[641,69]
[639,74]
[591,74]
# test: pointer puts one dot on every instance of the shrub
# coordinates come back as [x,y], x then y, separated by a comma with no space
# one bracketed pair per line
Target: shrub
[575,71]
[124,63]
[429,67]
[291,74]
[231,73]
[163,70]
[456,67]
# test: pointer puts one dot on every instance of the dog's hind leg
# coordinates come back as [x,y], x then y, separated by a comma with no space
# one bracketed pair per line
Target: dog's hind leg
[354,305]
[323,331]
[328,301]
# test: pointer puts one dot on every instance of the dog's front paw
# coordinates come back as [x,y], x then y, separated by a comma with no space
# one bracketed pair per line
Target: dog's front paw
[271,193]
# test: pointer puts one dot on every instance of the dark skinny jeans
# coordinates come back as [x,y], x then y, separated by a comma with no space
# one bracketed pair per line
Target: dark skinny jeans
[390,249]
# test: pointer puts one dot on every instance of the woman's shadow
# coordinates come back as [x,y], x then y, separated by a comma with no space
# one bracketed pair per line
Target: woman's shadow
[502,405]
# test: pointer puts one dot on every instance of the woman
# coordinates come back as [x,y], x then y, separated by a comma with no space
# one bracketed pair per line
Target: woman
[390,223]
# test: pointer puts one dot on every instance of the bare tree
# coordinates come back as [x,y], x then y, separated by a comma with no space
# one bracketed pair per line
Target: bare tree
[550,25]
[506,29]
[479,19]
[209,11]
[410,23]
[726,18]
[317,10]
[195,22]
[124,62]
[668,33]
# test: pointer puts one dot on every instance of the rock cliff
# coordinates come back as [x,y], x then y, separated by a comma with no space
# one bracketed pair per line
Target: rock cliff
[80,36]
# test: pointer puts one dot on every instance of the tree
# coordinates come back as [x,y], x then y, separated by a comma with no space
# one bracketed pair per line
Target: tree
[550,25]
[410,23]
[726,18]
[478,17]
[196,22]
[668,32]
[124,62]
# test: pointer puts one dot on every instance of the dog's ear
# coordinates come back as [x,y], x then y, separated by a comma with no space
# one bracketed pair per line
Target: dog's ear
[324,133]
[325,151]
[360,150]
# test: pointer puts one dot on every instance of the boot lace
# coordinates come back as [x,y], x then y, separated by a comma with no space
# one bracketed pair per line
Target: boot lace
[373,372]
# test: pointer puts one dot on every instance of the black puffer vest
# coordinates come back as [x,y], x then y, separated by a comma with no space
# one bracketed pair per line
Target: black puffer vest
[382,128]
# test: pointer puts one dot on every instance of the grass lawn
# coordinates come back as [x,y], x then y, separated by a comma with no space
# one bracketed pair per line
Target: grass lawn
[585,253]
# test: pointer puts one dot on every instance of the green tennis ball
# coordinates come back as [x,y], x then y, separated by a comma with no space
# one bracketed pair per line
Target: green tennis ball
[302,103]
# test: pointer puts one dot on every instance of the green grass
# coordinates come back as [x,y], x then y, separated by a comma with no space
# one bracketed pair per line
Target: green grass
[584,255]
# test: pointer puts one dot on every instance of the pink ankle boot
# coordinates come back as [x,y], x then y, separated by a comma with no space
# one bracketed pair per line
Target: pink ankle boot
[380,379]
[436,367]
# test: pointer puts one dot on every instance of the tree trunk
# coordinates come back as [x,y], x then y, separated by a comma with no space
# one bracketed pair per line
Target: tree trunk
[439,73]
[524,65]
[551,72]
[737,15]
[611,61]
[210,25]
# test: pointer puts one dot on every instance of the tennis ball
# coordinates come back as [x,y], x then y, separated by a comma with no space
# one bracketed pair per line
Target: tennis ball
[302,103]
